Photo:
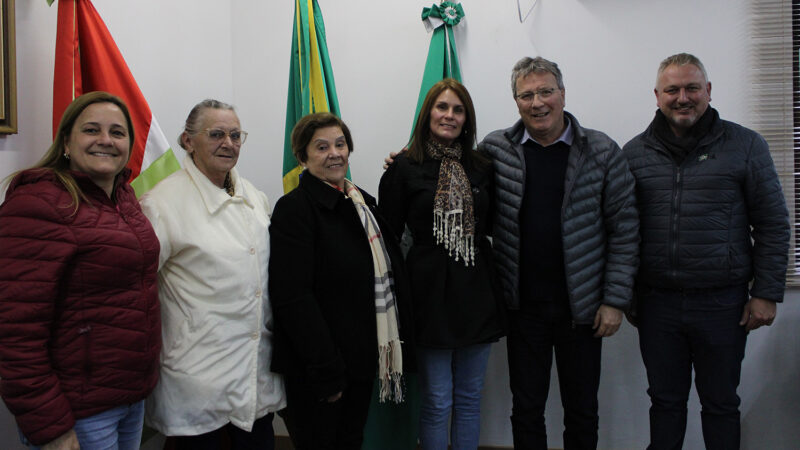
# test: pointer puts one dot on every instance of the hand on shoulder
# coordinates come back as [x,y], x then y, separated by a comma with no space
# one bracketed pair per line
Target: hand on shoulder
[390,159]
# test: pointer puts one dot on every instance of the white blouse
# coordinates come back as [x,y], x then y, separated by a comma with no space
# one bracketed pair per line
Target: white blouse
[216,315]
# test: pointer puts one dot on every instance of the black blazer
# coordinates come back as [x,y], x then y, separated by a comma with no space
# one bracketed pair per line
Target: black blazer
[322,289]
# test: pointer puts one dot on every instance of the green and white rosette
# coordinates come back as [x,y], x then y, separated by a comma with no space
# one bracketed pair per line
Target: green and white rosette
[442,59]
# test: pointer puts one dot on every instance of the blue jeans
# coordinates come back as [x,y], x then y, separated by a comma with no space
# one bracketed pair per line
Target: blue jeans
[684,329]
[119,428]
[451,380]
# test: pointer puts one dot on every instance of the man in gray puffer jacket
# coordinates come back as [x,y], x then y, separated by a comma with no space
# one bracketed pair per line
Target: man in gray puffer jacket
[713,219]
[566,247]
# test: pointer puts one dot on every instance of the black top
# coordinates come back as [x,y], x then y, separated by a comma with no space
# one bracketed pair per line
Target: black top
[322,289]
[542,253]
[454,305]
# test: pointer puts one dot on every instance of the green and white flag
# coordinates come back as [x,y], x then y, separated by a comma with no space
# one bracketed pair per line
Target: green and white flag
[442,59]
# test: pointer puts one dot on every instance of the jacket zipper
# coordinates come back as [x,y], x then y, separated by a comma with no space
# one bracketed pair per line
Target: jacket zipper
[674,219]
[142,273]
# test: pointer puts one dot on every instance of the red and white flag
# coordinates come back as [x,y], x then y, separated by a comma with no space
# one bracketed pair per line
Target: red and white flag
[87,59]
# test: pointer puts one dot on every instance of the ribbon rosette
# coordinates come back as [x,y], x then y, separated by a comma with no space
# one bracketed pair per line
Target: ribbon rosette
[448,13]
[442,59]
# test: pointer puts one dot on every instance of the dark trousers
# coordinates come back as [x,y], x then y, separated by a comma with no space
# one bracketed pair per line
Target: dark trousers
[261,437]
[315,424]
[681,330]
[533,334]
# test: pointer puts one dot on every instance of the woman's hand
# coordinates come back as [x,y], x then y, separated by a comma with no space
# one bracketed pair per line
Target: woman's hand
[334,397]
[67,441]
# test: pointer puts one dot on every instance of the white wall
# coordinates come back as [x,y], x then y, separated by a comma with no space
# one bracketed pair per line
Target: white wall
[182,51]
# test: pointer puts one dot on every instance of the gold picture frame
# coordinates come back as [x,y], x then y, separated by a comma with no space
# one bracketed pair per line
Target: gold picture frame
[8,69]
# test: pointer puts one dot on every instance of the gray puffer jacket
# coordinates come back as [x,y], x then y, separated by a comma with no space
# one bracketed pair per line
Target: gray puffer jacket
[718,219]
[599,223]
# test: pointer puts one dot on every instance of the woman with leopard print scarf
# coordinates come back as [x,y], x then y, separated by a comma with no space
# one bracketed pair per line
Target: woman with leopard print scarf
[442,189]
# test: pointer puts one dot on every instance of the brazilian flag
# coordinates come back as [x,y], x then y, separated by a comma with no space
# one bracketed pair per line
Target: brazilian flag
[311,85]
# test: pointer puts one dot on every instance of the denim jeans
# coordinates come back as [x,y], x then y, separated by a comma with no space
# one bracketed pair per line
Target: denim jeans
[684,329]
[451,380]
[119,428]
[535,332]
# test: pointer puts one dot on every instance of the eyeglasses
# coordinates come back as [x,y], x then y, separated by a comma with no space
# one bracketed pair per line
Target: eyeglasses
[218,134]
[544,93]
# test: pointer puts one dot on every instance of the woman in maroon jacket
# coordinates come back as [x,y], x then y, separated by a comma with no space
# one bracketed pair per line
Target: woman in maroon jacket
[80,330]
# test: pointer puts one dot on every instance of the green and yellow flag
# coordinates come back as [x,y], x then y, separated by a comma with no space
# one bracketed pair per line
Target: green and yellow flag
[311,85]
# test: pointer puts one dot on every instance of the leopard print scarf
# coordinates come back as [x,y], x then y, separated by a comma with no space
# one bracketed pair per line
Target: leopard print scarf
[453,216]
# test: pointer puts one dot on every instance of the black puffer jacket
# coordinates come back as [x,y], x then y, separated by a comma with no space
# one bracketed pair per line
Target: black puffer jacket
[599,224]
[718,219]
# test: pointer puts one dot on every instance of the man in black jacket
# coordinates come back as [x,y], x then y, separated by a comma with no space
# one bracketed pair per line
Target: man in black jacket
[715,240]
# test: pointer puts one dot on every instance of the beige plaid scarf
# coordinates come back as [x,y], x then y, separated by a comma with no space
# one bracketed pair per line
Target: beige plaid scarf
[390,355]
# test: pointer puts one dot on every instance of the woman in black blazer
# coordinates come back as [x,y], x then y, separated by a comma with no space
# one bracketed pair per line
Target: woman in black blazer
[334,284]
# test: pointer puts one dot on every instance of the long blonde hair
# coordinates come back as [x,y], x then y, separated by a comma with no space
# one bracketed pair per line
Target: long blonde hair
[54,160]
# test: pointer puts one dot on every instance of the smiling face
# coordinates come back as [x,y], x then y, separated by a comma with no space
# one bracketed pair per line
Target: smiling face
[214,157]
[543,117]
[327,155]
[682,94]
[99,144]
[447,117]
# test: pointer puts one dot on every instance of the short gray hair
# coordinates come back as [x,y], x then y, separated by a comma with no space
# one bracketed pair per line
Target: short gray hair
[681,59]
[193,120]
[527,65]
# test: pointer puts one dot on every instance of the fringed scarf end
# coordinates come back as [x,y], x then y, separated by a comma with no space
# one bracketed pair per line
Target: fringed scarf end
[390,373]
[448,230]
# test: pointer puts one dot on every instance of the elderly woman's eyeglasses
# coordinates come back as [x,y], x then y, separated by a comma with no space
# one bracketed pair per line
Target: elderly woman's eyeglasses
[218,134]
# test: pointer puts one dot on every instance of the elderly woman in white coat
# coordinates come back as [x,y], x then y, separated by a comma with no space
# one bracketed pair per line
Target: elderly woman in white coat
[216,317]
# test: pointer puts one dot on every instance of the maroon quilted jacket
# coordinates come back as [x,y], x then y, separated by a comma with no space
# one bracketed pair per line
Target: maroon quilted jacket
[80,327]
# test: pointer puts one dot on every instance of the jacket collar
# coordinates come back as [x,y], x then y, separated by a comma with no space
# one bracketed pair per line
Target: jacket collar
[566,137]
[95,192]
[86,185]
[715,133]
[213,197]
[326,195]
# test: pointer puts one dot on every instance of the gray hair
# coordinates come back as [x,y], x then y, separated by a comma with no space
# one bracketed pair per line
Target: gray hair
[527,65]
[681,59]
[193,121]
